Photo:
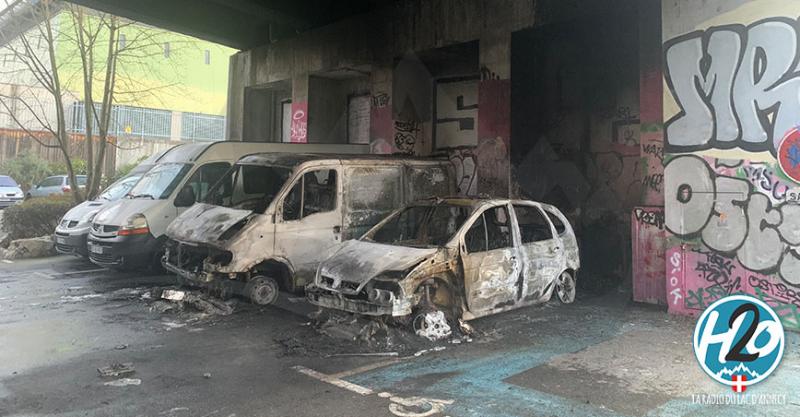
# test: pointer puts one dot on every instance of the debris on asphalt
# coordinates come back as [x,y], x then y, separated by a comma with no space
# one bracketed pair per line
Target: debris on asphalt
[465,327]
[178,299]
[122,382]
[207,375]
[116,369]
[79,298]
[433,326]
[121,347]
[363,354]
[173,295]
[339,334]
[431,350]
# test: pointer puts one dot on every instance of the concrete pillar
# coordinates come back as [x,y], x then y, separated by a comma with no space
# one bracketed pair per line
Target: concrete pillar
[494,115]
[239,77]
[176,125]
[651,95]
[381,126]
[299,128]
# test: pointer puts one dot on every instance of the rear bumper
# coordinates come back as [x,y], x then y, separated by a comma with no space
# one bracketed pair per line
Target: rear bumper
[330,299]
[136,251]
[71,242]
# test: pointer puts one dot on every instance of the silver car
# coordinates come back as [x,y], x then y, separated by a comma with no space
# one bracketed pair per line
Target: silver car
[74,227]
[57,184]
[464,257]
[10,193]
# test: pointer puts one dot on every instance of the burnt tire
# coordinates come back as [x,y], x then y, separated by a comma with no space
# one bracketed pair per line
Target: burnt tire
[262,290]
[565,287]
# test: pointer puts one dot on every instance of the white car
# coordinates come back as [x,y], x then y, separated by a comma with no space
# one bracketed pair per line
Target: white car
[10,193]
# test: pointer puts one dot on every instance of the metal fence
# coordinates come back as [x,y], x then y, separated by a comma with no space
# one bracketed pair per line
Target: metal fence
[126,121]
[202,127]
[140,122]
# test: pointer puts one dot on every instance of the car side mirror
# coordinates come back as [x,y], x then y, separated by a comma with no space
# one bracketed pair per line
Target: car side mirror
[185,198]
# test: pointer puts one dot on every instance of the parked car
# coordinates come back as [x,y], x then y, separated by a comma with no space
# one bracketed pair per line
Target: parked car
[57,184]
[73,229]
[465,257]
[10,193]
[273,217]
[129,233]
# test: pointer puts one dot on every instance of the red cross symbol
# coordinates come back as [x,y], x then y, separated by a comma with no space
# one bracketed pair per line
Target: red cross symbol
[738,386]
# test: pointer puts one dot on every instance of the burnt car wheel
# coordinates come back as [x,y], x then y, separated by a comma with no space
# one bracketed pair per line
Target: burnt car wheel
[565,287]
[262,290]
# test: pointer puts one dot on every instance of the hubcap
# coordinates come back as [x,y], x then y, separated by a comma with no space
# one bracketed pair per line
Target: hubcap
[566,287]
[263,292]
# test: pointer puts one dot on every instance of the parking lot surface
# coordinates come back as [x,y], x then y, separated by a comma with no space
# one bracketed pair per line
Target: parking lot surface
[61,319]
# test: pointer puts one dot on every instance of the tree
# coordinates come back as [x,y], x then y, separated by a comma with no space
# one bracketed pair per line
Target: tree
[100,65]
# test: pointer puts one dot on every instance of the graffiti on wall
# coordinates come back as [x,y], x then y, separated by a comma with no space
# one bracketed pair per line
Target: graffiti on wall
[298,132]
[648,255]
[381,127]
[729,216]
[465,163]
[735,85]
[456,113]
[699,277]
[405,136]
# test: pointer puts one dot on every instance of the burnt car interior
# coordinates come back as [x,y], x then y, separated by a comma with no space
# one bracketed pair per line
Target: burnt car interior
[249,187]
[489,231]
[422,226]
[314,193]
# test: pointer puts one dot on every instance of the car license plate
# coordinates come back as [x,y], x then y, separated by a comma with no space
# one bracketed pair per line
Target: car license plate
[95,249]
[61,240]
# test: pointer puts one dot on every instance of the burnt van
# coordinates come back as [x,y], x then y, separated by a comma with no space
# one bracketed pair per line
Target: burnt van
[267,224]
[129,233]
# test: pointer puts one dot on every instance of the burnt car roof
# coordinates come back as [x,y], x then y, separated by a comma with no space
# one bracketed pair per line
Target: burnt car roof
[290,160]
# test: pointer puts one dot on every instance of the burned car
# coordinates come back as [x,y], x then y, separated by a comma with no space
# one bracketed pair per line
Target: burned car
[464,257]
[273,217]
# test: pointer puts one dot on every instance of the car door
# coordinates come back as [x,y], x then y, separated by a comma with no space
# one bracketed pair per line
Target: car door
[541,250]
[490,262]
[49,185]
[309,221]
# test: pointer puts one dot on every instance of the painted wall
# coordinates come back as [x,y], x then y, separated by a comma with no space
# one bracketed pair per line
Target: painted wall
[731,96]
[181,80]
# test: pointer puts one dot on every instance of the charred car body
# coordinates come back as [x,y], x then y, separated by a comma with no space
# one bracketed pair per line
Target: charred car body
[130,232]
[274,216]
[465,257]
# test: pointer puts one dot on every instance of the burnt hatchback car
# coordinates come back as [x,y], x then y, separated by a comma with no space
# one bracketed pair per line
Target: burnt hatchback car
[465,257]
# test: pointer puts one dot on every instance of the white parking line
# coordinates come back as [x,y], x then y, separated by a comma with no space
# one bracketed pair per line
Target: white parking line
[358,389]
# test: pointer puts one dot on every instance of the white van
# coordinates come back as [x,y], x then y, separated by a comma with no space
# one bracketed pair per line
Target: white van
[73,229]
[129,233]
[274,217]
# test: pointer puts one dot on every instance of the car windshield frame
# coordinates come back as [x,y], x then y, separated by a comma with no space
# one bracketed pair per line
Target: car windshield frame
[426,222]
[163,191]
[284,174]
[110,193]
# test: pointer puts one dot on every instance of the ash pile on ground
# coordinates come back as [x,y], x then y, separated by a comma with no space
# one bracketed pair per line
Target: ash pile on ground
[332,333]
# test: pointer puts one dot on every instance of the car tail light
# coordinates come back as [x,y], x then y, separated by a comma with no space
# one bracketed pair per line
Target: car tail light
[66,188]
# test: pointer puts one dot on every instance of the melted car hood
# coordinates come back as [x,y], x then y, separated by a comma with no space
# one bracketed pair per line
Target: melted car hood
[204,223]
[84,209]
[359,261]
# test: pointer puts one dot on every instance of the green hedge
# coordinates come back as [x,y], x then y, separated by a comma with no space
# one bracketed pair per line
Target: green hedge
[35,217]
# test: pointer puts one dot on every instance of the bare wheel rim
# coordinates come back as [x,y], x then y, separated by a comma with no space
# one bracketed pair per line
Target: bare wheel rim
[263,291]
[565,287]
